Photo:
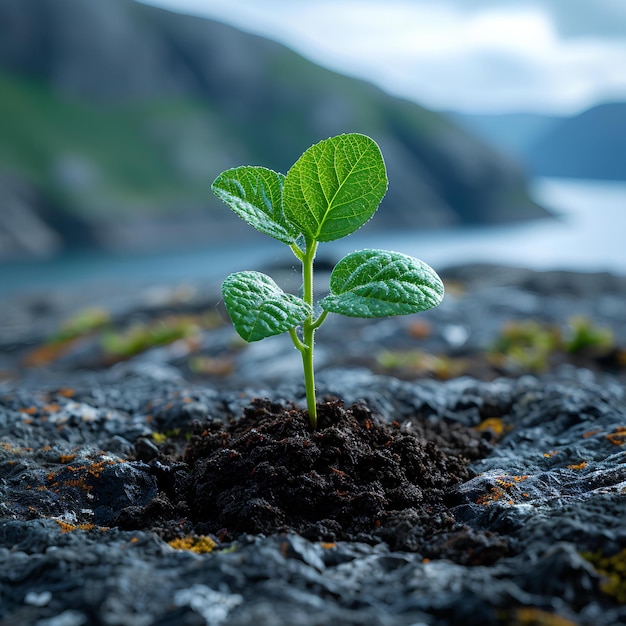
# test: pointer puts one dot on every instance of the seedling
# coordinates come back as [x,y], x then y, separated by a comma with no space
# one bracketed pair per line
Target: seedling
[332,190]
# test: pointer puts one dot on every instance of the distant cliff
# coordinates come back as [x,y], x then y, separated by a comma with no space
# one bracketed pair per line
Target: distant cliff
[115,117]
[591,144]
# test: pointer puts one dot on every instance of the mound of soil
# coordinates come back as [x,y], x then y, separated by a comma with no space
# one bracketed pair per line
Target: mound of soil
[355,477]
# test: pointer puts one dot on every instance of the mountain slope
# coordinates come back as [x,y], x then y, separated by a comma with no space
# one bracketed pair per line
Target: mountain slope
[511,133]
[120,115]
[589,145]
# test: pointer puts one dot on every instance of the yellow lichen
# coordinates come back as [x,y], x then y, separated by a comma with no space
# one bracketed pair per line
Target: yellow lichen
[578,466]
[504,489]
[66,527]
[495,426]
[160,438]
[493,495]
[618,436]
[199,544]
[590,433]
[532,616]
[77,476]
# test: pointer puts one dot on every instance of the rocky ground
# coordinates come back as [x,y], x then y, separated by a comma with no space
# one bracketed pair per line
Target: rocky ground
[469,466]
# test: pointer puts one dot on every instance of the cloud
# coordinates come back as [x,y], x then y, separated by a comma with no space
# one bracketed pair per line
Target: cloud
[550,55]
[581,18]
[572,18]
[505,56]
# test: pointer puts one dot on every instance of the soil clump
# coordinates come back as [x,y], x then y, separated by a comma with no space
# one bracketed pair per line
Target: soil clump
[354,478]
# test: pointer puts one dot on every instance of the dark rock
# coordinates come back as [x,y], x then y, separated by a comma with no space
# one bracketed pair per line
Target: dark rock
[521,522]
[120,486]
[511,541]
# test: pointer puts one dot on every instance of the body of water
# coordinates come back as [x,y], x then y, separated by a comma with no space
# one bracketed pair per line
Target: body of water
[589,235]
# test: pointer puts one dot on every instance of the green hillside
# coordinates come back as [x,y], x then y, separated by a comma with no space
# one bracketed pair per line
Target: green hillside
[102,160]
[120,161]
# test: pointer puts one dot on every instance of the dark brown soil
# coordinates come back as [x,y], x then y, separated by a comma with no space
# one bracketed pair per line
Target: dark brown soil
[353,478]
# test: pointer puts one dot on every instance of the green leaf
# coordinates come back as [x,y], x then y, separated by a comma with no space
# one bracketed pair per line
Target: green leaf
[379,283]
[259,308]
[335,186]
[256,195]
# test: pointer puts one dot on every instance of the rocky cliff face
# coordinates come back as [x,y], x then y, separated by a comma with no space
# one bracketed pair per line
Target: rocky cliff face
[146,107]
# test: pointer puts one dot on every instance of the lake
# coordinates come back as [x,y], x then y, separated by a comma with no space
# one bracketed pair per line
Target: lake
[589,235]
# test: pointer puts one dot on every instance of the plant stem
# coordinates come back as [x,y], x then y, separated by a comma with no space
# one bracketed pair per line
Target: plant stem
[308,331]
[309,378]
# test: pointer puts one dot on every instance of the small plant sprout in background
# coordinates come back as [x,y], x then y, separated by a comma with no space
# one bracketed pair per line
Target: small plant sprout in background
[332,190]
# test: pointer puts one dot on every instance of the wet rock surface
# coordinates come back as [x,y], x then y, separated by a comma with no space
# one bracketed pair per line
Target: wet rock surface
[147,493]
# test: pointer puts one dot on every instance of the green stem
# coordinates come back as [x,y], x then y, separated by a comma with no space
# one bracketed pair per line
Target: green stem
[318,322]
[309,378]
[296,340]
[307,270]
[296,251]
[308,331]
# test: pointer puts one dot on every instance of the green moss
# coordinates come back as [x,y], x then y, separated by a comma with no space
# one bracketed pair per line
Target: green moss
[160,438]
[613,569]
[529,345]
[421,362]
[142,336]
[583,334]
[84,322]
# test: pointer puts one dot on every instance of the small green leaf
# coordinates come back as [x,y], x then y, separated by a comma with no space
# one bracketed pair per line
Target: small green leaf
[379,283]
[259,308]
[335,186]
[256,195]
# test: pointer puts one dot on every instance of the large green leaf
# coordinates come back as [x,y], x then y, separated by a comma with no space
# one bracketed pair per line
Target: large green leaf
[259,308]
[256,195]
[335,186]
[379,283]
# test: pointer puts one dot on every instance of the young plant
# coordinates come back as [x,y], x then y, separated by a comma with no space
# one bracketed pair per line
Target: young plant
[331,191]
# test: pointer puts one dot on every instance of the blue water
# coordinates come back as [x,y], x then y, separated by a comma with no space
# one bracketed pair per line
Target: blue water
[208,263]
[588,236]
[589,233]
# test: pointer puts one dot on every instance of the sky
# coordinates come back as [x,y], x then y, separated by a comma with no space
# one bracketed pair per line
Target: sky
[481,56]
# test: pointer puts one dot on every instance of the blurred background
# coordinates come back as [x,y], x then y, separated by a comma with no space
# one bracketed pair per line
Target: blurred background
[503,125]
